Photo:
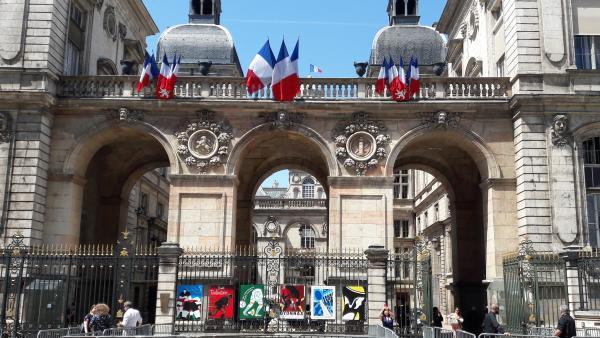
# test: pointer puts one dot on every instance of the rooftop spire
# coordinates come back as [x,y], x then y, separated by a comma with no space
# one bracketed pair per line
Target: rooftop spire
[403,12]
[205,11]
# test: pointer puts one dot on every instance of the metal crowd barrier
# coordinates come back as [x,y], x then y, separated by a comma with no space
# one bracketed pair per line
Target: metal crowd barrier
[464,334]
[142,330]
[513,335]
[381,332]
[437,332]
[59,333]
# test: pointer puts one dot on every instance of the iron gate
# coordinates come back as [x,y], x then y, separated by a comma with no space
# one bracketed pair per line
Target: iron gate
[535,288]
[54,287]
[272,268]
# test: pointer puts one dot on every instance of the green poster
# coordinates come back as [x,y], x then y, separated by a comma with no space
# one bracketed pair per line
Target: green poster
[252,304]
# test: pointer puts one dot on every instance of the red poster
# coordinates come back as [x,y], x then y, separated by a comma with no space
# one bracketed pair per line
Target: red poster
[220,302]
[292,301]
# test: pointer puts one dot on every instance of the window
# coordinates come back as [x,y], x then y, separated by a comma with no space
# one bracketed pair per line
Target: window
[160,210]
[75,42]
[207,8]
[587,52]
[436,215]
[401,184]
[308,188]
[406,265]
[411,7]
[591,160]
[425,219]
[196,7]
[143,207]
[400,7]
[500,67]
[401,228]
[307,237]
[254,237]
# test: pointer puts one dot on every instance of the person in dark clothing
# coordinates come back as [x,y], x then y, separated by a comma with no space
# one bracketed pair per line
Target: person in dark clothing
[438,319]
[102,319]
[387,318]
[490,322]
[566,324]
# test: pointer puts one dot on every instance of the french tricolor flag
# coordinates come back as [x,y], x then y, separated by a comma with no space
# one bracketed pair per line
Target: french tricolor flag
[149,72]
[382,78]
[163,90]
[399,93]
[286,82]
[413,77]
[260,72]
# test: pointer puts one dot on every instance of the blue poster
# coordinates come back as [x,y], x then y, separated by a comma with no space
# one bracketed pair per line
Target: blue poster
[189,302]
[322,303]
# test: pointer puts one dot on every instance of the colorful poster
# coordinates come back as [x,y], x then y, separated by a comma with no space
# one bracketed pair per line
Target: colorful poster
[220,302]
[252,305]
[354,303]
[322,302]
[189,302]
[292,301]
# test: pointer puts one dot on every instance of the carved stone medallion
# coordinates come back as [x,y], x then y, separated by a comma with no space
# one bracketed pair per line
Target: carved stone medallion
[441,119]
[272,227]
[360,143]
[205,142]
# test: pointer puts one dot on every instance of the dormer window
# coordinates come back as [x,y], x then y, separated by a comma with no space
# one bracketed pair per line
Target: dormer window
[196,7]
[207,7]
[400,8]
[406,7]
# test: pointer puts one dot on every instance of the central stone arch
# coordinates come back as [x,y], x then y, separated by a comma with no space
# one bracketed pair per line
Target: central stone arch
[265,149]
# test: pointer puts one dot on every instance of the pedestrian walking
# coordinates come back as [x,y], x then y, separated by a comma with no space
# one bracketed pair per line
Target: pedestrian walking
[131,319]
[86,329]
[101,320]
[566,324]
[490,322]
[387,318]
[456,320]
[438,318]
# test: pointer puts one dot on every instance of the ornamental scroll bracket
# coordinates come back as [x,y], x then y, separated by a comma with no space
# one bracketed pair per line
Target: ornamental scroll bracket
[127,115]
[204,142]
[360,143]
[283,119]
[561,135]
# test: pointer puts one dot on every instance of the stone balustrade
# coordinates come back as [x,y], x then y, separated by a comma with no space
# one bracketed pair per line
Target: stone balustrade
[267,204]
[234,88]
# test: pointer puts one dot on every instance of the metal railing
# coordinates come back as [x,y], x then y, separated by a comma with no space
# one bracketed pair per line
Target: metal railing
[234,88]
[437,332]
[381,332]
[290,204]
[511,335]
[142,330]
[464,334]
[59,333]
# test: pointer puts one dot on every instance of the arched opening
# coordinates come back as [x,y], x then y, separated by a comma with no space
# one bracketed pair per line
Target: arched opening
[411,7]
[207,7]
[196,7]
[106,67]
[126,190]
[440,204]
[400,7]
[266,153]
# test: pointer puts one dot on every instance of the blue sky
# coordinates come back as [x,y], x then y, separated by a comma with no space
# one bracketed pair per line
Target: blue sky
[333,33]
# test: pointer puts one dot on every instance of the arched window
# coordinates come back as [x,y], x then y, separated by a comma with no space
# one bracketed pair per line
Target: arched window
[591,160]
[307,237]
[411,7]
[400,7]
[196,7]
[106,67]
[207,7]
[308,188]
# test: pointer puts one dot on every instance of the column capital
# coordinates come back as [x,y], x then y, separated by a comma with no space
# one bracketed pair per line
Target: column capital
[377,254]
[169,250]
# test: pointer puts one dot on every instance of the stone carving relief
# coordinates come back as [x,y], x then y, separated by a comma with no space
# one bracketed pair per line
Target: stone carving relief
[361,143]
[127,115]
[560,130]
[441,119]
[283,120]
[122,31]
[473,26]
[98,4]
[110,22]
[5,132]
[205,143]
[272,227]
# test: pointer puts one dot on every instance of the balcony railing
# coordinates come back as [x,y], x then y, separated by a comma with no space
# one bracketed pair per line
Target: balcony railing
[234,88]
[282,204]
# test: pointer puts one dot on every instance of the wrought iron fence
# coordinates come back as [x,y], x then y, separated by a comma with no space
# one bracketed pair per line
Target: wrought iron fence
[408,290]
[588,266]
[279,280]
[54,287]
[535,288]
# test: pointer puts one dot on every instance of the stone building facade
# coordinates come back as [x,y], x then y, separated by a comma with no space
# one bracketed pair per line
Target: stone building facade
[516,154]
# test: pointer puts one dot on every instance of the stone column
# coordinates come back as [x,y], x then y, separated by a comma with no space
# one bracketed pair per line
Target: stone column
[571,256]
[376,275]
[167,281]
